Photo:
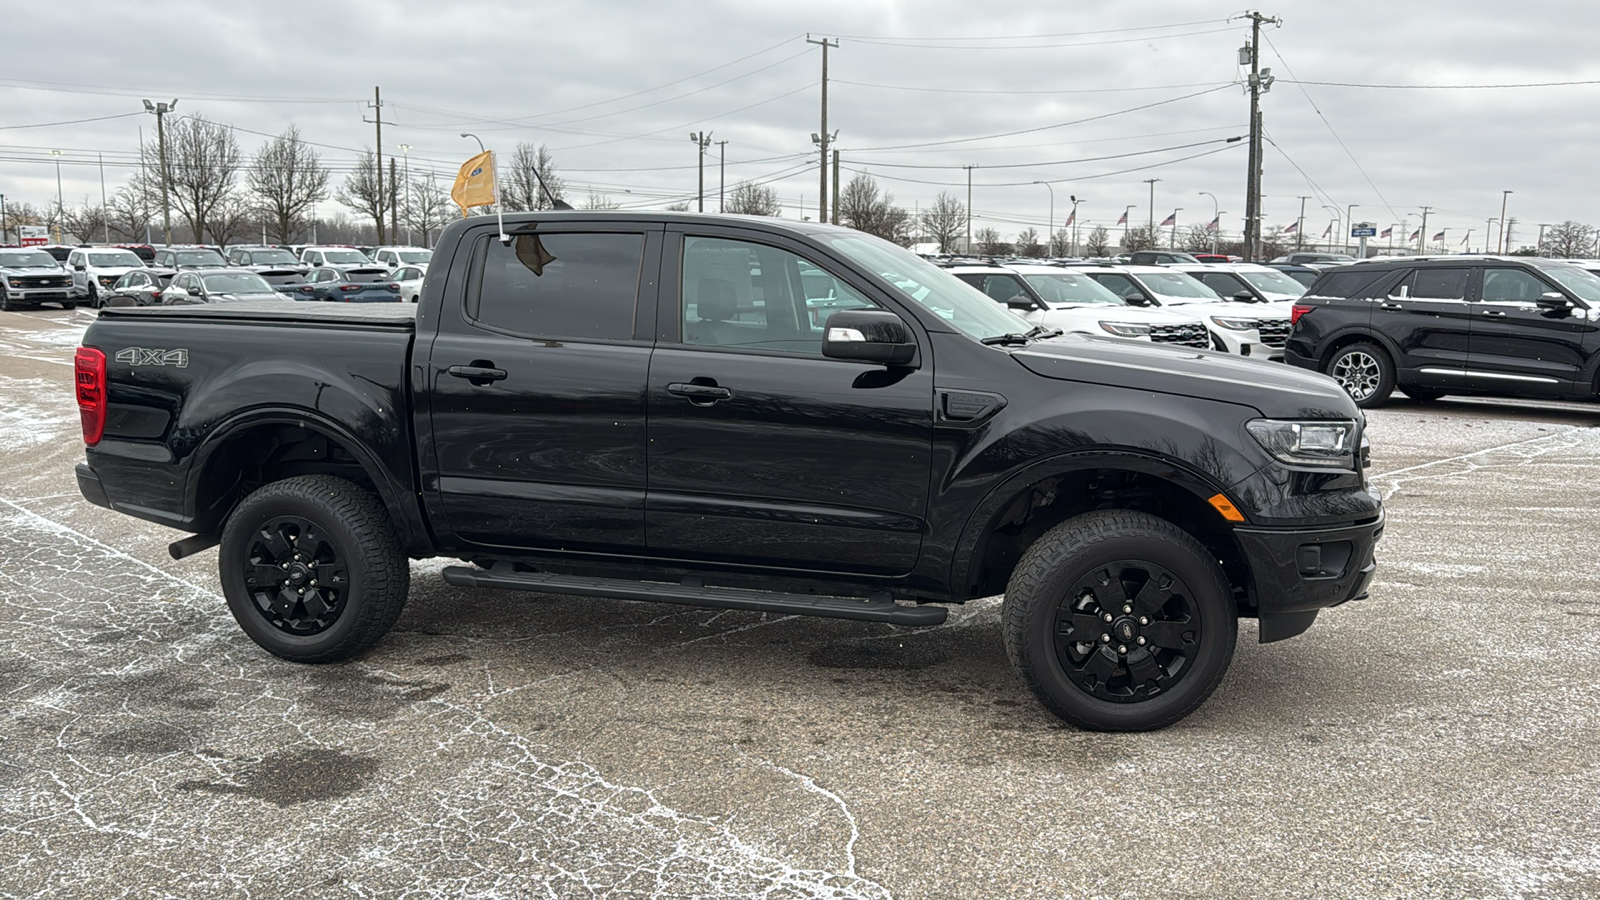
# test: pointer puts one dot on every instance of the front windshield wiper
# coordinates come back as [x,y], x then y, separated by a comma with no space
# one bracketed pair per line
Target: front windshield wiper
[1037,332]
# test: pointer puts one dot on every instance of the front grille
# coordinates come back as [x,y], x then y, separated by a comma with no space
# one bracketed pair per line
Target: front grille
[42,281]
[1182,335]
[1274,332]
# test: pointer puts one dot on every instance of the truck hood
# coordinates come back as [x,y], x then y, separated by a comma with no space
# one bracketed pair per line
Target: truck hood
[1106,313]
[1232,309]
[1276,390]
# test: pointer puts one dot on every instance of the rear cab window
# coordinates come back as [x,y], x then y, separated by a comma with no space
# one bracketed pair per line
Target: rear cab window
[583,286]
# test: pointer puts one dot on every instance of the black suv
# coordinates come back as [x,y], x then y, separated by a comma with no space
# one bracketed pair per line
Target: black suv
[1475,325]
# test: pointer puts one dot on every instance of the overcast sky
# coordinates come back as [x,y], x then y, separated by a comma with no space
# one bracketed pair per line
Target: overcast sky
[917,90]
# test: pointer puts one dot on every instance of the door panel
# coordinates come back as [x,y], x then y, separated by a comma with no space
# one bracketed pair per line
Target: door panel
[537,394]
[764,452]
[1518,347]
[1428,317]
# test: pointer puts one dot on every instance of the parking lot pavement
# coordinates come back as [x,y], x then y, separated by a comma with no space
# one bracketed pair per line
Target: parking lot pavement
[1437,739]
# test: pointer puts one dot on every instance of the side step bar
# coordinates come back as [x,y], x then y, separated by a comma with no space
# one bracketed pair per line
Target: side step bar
[504,576]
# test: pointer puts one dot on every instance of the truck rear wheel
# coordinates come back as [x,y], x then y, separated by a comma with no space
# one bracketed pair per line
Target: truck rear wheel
[1119,621]
[312,568]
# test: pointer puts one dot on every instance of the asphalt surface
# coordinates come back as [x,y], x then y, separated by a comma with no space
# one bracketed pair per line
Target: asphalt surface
[1436,740]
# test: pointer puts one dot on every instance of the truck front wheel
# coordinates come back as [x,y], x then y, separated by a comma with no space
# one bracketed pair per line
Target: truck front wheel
[1119,621]
[312,568]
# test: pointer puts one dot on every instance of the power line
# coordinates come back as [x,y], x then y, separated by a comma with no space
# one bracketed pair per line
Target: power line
[1057,162]
[66,87]
[1023,183]
[1019,37]
[928,90]
[138,112]
[1435,87]
[1130,40]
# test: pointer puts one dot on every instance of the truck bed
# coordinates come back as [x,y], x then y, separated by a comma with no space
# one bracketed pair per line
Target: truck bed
[398,315]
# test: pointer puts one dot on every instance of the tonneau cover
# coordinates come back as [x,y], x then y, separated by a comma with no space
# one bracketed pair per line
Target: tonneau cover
[279,311]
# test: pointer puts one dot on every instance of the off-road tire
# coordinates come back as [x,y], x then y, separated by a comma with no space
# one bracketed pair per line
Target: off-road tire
[356,528]
[1042,589]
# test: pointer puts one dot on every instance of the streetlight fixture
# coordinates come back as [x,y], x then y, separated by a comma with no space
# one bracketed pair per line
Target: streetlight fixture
[1335,211]
[160,110]
[1216,219]
[1050,239]
[1504,196]
[474,137]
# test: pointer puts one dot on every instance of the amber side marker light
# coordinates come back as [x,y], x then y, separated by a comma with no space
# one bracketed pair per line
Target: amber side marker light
[1228,510]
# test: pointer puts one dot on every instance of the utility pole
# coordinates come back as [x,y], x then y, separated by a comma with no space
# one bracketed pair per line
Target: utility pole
[1422,233]
[1542,227]
[61,213]
[835,201]
[1300,226]
[1260,81]
[1504,196]
[377,114]
[702,140]
[107,226]
[1125,224]
[969,206]
[405,151]
[822,136]
[394,201]
[160,110]
[1152,183]
[722,172]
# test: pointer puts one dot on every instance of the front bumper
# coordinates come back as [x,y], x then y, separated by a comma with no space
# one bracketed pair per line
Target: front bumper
[1297,572]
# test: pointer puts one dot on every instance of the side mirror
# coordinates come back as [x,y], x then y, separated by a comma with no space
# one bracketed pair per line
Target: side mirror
[868,335]
[1244,297]
[193,292]
[1554,301]
[1020,302]
[1135,298]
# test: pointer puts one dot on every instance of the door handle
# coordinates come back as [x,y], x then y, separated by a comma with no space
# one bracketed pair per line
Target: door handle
[1390,306]
[1495,313]
[699,394]
[477,374]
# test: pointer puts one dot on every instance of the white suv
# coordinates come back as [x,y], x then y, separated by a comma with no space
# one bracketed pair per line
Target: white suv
[1067,299]
[334,257]
[392,258]
[95,269]
[1245,329]
[1246,282]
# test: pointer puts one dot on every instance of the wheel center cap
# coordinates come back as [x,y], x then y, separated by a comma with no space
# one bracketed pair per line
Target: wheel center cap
[298,574]
[1125,630]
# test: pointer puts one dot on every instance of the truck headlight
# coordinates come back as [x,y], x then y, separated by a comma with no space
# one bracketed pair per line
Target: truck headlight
[1236,324]
[1126,329]
[1328,444]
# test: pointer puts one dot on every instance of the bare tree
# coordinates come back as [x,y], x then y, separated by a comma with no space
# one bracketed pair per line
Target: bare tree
[598,201]
[19,214]
[202,167]
[429,208]
[1275,243]
[133,208]
[751,199]
[1139,237]
[287,178]
[360,192]
[945,221]
[519,189]
[1098,243]
[87,222]
[680,206]
[232,221]
[1197,239]
[1060,243]
[990,243]
[1028,243]
[1568,240]
[863,208]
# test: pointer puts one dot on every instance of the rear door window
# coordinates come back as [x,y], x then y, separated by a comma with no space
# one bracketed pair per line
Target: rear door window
[1440,284]
[571,285]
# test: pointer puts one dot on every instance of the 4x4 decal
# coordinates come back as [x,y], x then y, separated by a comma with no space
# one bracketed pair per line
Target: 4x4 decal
[140,356]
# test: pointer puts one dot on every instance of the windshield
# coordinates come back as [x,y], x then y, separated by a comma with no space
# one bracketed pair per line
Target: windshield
[1072,289]
[1273,282]
[200,258]
[115,258]
[23,259]
[236,283]
[1177,288]
[272,258]
[1583,283]
[345,256]
[965,307]
[418,257]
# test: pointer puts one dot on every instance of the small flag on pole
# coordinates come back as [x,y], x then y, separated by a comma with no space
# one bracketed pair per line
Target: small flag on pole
[1170,220]
[1328,232]
[1215,223]
[1439,236]
[1386,232]
[1415,234]
[475,182]
[1294,228]
[1071,217]
[1124,219]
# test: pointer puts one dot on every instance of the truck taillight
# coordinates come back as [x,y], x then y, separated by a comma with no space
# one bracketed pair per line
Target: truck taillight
[89,368]
[1298,310]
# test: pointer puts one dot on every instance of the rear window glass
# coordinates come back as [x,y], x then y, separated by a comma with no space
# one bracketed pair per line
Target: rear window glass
[561,285]
[1345,284]
[1440,284]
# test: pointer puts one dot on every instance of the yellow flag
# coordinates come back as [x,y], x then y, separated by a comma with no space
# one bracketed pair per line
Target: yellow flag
[475,182]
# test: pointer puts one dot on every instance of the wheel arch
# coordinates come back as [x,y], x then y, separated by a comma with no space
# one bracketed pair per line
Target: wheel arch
[264,446]
[1358,336]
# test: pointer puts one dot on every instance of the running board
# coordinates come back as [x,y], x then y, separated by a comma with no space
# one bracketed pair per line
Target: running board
[690,592]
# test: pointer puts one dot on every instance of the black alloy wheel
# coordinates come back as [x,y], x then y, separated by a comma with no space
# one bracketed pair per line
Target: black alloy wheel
[1119,621]
[312,568]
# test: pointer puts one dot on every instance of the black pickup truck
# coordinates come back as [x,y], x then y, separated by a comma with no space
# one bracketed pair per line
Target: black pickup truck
[671,407]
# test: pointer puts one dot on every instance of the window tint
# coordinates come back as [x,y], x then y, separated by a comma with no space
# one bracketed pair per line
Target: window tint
[739,294]
[1004,287]
[561,285]
[1511,286]
[1440,284]
[1224,284]
[1121,285]
[1346,284]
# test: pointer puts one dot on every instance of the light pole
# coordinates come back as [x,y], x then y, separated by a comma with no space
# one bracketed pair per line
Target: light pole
[1075,201]
[160,110]
[474,137]
[1349,226]
[60,213]
[405,153]
[1152,183]
[1172,240]
[1050,240]
[1216,220]
[1504,196]
[1335,211]
[702,140]
[722,174]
